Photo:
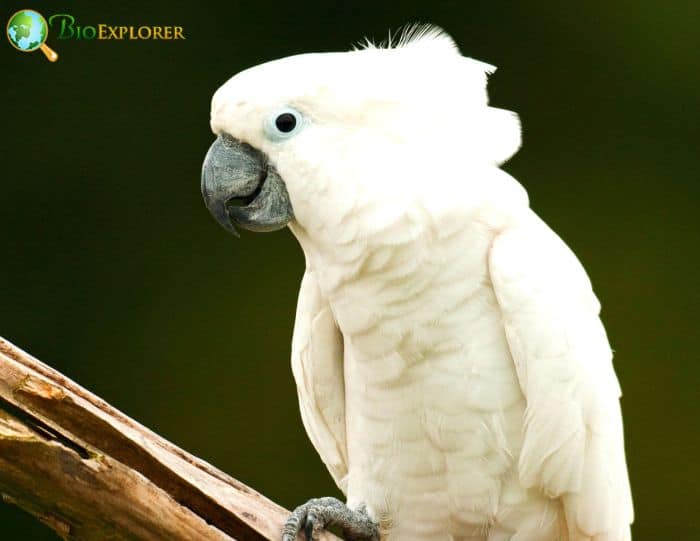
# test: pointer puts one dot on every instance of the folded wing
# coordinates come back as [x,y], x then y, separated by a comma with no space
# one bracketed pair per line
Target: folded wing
[317,364]
[573,445]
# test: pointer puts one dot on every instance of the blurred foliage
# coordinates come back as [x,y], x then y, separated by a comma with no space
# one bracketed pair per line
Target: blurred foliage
[113,272]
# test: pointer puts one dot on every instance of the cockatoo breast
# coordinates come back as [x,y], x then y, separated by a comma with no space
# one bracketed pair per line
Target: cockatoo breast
[433,406]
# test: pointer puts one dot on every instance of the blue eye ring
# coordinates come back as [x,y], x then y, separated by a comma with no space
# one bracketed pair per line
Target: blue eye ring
[283,124]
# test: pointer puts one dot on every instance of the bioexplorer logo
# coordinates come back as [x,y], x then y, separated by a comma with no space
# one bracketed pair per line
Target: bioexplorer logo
[27,31]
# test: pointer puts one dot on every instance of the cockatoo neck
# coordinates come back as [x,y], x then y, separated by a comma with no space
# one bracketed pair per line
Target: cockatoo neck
[347,227]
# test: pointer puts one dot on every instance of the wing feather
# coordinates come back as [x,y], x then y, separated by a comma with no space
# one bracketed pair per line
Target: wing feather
[573,445]
[317,365]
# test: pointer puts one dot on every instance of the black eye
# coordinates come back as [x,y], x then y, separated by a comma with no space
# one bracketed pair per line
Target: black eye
[286,122]
[283,124]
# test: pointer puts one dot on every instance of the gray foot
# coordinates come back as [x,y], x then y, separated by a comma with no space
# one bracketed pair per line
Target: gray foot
[316,514]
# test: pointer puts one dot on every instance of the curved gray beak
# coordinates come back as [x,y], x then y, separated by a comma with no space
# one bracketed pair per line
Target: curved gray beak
[240,187]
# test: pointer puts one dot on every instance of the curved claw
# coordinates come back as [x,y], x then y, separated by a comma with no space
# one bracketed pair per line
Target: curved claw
[309,527]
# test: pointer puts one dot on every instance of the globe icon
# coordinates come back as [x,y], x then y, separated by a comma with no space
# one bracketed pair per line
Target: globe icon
[27,31]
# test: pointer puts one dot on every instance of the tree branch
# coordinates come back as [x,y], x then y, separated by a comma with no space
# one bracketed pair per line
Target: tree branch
[90,472]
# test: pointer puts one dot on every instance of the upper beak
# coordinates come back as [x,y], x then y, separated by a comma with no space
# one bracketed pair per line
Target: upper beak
[240,187]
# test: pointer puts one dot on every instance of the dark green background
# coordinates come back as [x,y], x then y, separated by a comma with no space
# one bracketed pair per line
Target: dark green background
[112,271]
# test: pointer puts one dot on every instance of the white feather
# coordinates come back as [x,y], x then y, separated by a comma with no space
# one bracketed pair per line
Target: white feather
[452,370]
[573,444]
[317,365]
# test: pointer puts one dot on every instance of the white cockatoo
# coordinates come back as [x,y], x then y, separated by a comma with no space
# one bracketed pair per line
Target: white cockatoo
[451,366]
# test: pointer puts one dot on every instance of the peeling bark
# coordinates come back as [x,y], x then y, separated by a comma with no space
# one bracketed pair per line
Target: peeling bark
[90,472]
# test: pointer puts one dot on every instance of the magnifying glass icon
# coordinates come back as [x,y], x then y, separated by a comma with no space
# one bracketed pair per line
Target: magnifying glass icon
[27,31]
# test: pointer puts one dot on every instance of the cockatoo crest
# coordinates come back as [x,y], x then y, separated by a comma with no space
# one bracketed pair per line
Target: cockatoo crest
[413,85]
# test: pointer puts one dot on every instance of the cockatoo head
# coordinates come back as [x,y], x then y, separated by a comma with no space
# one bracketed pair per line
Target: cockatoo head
[316,139]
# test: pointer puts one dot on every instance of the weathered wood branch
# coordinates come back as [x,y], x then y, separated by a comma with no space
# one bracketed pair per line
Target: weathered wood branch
[90,472]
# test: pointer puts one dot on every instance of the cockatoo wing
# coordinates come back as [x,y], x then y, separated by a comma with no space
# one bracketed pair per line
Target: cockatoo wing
[573,445]
[317,365]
